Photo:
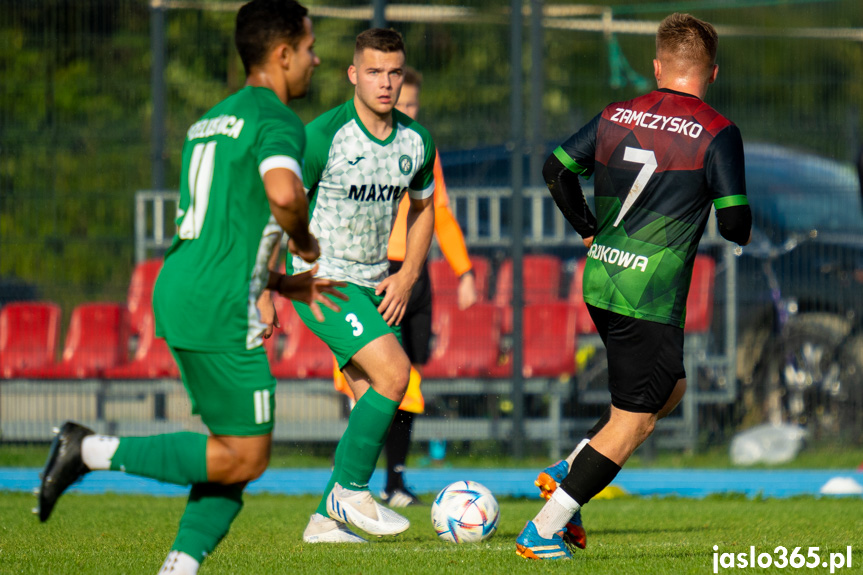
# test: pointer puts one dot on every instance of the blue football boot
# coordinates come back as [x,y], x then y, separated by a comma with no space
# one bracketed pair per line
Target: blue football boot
[531,545]
[547,481]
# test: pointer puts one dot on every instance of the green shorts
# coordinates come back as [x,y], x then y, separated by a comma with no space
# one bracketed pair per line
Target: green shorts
[233,392]
[357,324]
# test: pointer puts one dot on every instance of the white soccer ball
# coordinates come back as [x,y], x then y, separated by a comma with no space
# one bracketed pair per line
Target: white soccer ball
[465,512]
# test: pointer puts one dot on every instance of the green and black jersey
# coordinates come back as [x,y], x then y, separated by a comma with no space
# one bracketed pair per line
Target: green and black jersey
[659,163]
[355,182]
[216,268]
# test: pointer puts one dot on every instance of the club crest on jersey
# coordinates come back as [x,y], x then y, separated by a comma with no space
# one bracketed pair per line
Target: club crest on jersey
[405,165]
[617,257]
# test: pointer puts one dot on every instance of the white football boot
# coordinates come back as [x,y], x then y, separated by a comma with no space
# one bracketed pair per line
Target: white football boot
[359,508]
[325,530]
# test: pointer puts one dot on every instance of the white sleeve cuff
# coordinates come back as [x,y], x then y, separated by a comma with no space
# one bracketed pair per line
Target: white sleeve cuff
[421,194]
[281,162]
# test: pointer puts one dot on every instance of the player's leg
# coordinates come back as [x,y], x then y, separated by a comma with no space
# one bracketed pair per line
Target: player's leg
[235,396]
[645,367]
[377,369]
[381,364]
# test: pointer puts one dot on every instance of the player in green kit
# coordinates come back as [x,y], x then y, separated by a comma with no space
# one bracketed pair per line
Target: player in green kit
[241,185]
[361,158]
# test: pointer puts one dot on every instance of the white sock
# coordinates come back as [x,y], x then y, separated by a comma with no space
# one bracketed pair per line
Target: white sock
[97,451]
[555,514]
[577,450]
[179,563]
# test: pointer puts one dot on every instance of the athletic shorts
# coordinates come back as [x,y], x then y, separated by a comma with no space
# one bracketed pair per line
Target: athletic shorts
[233,392]
[417,321]
[645,360]
[357,324]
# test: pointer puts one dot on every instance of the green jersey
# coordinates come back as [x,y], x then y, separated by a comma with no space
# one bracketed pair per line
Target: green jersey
[355,182]
[216,268]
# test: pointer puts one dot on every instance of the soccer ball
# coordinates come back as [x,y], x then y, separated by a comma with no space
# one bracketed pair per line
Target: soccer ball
[465,512]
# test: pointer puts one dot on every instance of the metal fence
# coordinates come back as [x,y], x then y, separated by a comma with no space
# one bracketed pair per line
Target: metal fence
[97,94]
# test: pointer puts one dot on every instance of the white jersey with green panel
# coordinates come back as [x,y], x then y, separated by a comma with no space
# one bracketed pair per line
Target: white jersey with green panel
[355,182]
[216,268]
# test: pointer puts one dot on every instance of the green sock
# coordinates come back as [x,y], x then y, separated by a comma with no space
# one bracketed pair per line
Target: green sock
[179,458]
[337,464]
[209,513]
[361,444]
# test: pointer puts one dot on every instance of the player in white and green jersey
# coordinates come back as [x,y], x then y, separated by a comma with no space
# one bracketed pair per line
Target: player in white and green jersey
[361,157]
[241,185]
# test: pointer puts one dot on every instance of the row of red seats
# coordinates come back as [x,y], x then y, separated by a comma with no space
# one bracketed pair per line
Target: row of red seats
[97,341]
[541,279]
[467,342]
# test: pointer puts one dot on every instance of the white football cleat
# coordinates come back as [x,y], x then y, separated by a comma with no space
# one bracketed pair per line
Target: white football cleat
[359,508]
[325,530]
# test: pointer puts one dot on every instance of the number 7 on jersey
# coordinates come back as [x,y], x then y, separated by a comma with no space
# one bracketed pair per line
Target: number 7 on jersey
[647,159]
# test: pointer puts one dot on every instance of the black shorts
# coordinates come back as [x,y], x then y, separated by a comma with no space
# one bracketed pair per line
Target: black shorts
[645,360]
[416,323]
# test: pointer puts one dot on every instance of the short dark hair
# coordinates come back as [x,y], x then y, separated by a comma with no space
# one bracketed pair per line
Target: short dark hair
[262,24]
[381,39]
[412,77]
[687,38]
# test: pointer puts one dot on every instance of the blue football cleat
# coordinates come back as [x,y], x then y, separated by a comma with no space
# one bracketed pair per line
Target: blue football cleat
[531,545]
[547,481]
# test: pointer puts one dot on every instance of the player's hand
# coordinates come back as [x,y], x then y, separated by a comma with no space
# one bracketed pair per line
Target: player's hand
[466,294]
[308,289]
[588,241]
[310,253]
[397,293]
[267,313]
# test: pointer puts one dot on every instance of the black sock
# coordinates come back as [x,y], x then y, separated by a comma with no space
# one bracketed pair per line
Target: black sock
[397,447]
[591,472]
[599,424]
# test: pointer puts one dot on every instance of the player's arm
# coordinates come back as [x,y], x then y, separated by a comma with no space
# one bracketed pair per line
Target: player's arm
[451,241]
[561,177]
[571,159]
[397,287]
[265,301]
[725,172]
[290,207]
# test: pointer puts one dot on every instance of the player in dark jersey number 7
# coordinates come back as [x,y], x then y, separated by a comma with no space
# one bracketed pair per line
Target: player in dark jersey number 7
[659,163]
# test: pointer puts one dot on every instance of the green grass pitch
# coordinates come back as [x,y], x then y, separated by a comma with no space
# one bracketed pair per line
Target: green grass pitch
[132,534]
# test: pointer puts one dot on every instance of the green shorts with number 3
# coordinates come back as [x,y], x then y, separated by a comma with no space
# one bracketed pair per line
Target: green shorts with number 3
[357,324]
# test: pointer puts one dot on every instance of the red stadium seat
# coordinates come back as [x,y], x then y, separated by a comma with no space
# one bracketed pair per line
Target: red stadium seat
[29,332]
[540,282]
[445,283]
[549,342]
[699,303]
[140,298]
[468,344]
[97,340]
[304,354]
[153,359]
[583,323]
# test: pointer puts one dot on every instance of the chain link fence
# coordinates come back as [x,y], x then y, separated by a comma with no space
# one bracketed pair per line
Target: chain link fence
[97,95]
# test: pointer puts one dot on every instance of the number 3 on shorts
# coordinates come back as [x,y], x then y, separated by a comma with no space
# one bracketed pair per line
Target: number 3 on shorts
[352,319]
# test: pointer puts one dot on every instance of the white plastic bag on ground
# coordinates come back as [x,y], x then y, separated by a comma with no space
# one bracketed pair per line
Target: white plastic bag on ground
[767,443]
